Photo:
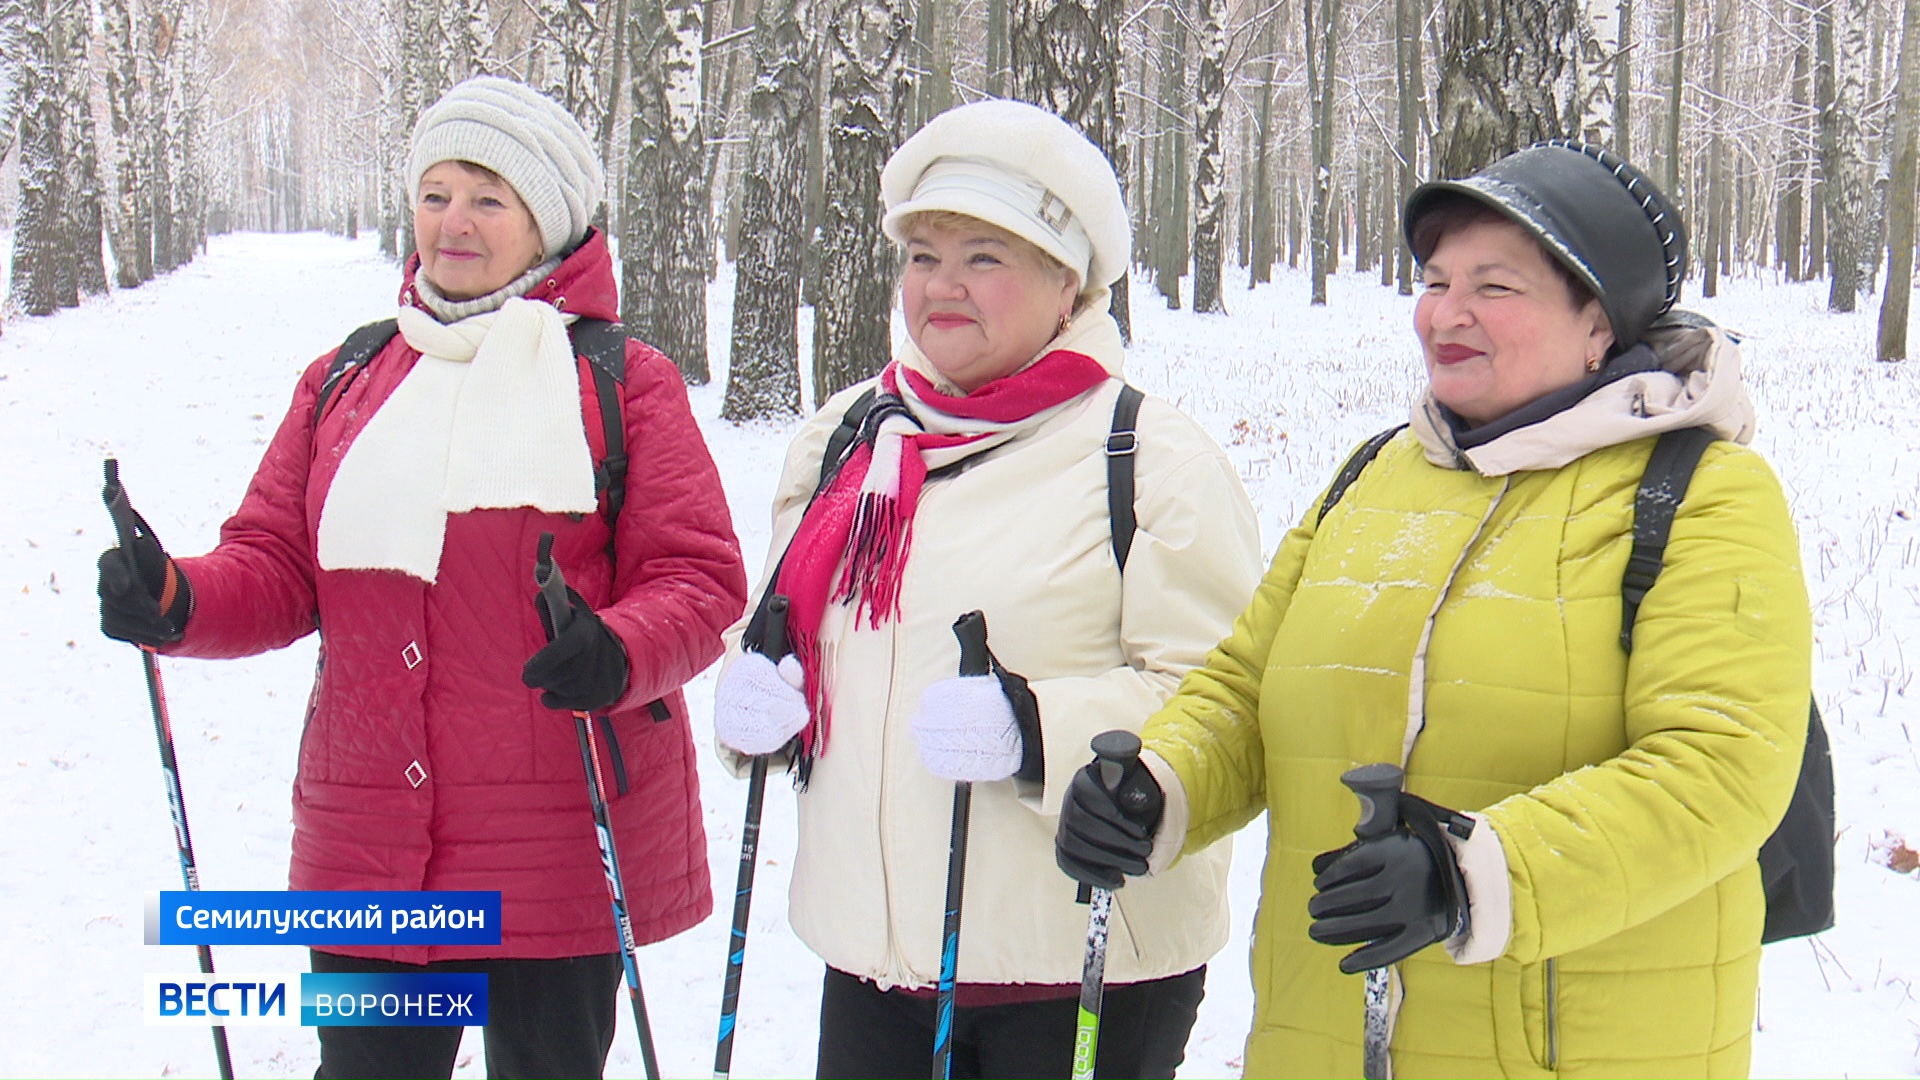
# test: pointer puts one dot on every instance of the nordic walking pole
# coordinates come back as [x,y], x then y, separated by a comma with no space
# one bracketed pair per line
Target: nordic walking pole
[971,629]
[125,525]
[553,596]
[773,645]
[1117,751]
[1378,787]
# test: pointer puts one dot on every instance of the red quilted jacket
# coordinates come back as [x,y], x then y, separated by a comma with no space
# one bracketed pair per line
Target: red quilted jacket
[425,764]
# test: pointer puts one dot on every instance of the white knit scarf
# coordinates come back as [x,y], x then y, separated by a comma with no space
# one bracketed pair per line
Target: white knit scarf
[489,417]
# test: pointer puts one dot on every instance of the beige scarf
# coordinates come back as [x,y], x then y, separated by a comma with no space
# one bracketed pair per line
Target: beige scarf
[489,417]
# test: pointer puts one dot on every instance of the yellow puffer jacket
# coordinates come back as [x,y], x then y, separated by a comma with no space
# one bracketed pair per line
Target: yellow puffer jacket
[1468,625]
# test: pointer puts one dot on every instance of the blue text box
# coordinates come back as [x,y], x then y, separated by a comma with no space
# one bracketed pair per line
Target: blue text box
[323,918]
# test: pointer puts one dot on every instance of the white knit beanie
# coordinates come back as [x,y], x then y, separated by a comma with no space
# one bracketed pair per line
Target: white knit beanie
[535,145]
[1022,168]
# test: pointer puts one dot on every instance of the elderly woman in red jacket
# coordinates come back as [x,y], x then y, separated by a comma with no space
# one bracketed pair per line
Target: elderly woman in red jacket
[397,511]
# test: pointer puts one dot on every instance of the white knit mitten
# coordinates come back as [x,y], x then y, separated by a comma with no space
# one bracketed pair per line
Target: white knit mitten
[966,730]
[758,707]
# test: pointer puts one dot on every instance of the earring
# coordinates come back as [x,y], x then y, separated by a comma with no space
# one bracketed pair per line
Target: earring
[1593,364]
[1065,322]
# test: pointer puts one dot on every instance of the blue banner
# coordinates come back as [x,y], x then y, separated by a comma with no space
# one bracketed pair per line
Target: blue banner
[323,918]
[393,999]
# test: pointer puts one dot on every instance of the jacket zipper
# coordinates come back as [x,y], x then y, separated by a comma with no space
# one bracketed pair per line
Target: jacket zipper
[896,958]
[1553,1014]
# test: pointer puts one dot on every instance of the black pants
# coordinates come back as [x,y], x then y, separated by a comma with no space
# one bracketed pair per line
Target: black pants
[545,1018]
[869,1034]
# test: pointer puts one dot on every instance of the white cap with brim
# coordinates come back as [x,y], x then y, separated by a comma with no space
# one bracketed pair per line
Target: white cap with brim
[1023,169]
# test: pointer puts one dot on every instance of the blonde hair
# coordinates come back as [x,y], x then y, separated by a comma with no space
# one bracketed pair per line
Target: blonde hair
[944,220]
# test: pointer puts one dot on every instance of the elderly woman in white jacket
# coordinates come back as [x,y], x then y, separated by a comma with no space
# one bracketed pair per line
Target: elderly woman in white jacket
[978,480]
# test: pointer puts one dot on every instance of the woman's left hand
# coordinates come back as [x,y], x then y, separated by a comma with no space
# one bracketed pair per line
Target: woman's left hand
[583,668]
[971,731]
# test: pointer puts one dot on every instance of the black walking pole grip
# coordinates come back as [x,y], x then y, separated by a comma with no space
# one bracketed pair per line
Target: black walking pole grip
[553,588]
[971,629]
[126,523]
[774,645]
[1378,787]
[1116,752]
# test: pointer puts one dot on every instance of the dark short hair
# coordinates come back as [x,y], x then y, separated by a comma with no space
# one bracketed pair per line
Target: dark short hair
[1447,213]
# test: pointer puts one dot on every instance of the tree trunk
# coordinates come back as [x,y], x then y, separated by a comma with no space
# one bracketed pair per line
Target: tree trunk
[664,219]
[1065,56]
[1599,28]
[1171,248]
[1898,296]
[1262,220]
[1322,31]
[1209,172]
[1409,84]
[852,334]
[40,248]
[1793,201]
[1840,138]
[1508,78]
[1623,85]
[763,377]
[83,193]
[1717,201]
[1676,90]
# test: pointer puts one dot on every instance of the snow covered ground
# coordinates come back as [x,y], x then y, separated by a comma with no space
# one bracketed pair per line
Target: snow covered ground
[184,380]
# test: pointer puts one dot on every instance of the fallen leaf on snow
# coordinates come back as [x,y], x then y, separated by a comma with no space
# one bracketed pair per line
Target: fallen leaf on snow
[1902,859]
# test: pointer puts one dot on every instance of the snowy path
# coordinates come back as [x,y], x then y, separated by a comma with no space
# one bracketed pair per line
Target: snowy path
[184,379]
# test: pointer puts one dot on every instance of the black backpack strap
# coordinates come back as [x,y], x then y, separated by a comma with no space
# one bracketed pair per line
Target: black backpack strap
[844,435]
[1662,486]
[603,345]
[1355,465]
[1122,441]
[361,346]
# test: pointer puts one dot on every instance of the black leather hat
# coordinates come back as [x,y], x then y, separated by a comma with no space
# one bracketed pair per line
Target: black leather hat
[1591,210]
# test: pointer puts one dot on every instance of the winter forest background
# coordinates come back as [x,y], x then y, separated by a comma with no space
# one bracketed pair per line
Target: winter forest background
[1248,133]
[1264,146]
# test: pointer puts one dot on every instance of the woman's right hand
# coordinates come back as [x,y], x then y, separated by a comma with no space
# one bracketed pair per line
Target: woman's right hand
[759,706]
[144,597]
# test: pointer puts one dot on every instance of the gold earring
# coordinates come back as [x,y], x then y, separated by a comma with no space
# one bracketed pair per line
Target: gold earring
[1593,364]
[1062,328]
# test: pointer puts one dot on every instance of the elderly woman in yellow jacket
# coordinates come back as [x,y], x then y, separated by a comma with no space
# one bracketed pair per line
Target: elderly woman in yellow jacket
[1457,611]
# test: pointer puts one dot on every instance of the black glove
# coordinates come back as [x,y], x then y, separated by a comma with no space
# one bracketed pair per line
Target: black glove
[1105,835]
[144,599]
[1397,893]
[584,667]
[1026,713]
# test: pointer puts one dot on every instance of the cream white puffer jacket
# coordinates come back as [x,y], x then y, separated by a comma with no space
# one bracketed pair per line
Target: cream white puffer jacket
[1023,536]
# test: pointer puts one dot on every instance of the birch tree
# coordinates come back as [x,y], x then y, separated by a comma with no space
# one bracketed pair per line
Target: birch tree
[1209,179]
[1410,84]
[866,96]
[1843,39]
[763,377]
[1066,56]
[1894,303]
[82,203]
[663,244]
[1262,221]
[1509,77]
[1599,52]
[42,276]
[1322,27]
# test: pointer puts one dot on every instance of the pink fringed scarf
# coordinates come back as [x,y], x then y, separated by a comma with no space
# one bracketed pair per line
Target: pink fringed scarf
[852,544]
